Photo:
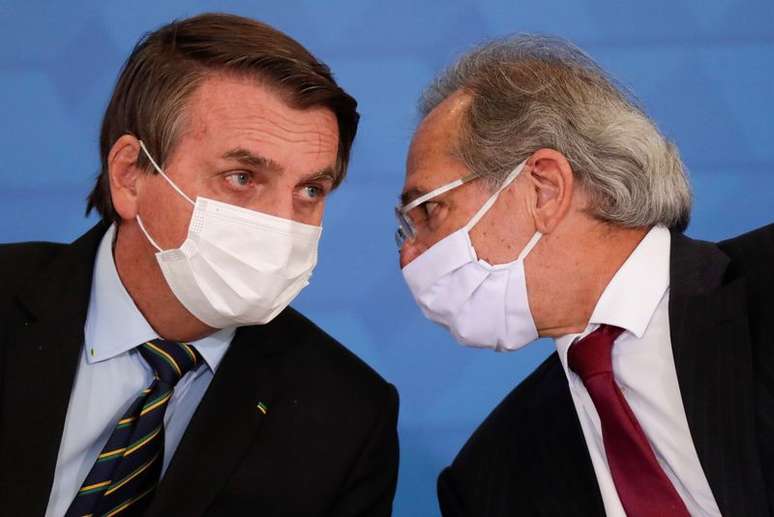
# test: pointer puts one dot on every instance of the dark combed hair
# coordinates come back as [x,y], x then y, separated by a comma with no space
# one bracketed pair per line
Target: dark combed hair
[167,65]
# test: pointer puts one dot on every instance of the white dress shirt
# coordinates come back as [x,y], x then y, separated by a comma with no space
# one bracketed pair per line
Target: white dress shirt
[111,374]
[637,300]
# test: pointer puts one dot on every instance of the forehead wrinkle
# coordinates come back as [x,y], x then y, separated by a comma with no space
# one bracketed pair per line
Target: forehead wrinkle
[266,122]
[247,118]
[289,130]
[266,135]
[219,112]
[312,128]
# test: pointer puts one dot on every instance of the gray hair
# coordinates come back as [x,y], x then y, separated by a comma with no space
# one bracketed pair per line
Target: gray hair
[532,92]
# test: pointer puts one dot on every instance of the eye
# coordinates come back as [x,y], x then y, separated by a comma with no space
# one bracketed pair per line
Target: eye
[431,214]
[239,180]
[430,207]
[422,215]
[313,192]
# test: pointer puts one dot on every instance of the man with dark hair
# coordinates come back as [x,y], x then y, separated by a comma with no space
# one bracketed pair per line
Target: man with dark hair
[541,201]
[153,366]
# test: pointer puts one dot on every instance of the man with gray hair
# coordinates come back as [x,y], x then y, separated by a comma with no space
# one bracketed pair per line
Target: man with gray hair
[541,201]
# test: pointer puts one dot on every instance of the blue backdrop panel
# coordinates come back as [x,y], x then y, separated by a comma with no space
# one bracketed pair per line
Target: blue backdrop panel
[704,70]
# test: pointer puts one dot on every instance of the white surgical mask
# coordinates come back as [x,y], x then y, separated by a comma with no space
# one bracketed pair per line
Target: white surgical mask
[236,266]
[482,305]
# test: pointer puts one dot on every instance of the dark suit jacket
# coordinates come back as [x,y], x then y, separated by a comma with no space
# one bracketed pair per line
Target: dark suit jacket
[327,445]
[529,456]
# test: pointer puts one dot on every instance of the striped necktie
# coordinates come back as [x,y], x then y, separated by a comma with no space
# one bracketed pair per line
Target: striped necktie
[126,473]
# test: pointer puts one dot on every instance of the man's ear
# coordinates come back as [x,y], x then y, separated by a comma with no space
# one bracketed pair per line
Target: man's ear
[124,173]
[552,182]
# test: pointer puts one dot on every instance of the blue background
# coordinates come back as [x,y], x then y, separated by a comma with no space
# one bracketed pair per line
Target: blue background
[703,70]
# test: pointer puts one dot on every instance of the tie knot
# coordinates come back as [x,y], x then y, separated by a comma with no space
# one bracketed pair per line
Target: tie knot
[169,359]
[592,354]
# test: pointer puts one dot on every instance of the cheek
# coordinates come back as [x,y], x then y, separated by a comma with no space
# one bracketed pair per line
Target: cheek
[481,236]
[317,214]
[177,222]
[304,213]
[451,220]
[409,252]
[499,237]
[165,215]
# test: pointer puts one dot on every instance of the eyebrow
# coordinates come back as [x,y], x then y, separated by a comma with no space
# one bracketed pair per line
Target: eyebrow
[409,195]
[261,162]
[244,156]
[324,174]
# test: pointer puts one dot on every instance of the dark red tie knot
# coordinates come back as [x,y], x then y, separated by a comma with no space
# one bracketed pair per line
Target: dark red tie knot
[592,355]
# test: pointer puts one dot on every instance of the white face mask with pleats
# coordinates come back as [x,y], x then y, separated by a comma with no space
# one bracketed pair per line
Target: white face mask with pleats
[482,305]
[237,266]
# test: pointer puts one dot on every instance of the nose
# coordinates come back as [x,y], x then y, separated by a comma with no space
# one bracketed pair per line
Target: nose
[409,251]
[278,203]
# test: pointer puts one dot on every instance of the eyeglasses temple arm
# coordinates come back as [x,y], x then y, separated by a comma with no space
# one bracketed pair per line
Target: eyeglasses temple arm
[437,192]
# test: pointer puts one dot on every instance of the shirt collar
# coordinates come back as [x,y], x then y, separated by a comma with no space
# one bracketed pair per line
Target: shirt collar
[115,325]
[632,296]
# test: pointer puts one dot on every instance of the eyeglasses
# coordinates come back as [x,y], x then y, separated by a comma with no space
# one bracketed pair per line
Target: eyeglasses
[409,219]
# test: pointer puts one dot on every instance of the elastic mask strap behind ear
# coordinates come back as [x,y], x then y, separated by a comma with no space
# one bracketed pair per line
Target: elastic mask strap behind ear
[489,202]
[158,169]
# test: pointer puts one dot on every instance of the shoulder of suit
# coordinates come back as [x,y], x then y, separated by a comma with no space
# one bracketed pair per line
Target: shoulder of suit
[538,387]
[20,262]
[504,444]
[752,254]
[752,260]
[537,393]
[325,360]
[757,244]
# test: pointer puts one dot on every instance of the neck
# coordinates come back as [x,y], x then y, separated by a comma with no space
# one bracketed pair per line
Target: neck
[140,273]
[570,273]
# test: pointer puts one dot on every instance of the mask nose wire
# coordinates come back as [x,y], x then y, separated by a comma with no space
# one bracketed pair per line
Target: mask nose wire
[158,169]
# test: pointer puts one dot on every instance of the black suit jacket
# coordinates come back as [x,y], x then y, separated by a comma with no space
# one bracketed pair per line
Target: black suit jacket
[327,445]
[529,456]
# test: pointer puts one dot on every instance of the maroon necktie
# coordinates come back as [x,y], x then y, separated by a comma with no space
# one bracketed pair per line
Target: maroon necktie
[642,486]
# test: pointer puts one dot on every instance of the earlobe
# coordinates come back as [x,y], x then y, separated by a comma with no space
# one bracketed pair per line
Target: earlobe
[552,181]
[124,173]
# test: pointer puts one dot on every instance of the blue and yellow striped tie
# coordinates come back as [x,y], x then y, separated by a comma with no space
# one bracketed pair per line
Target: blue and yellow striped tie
[126,473]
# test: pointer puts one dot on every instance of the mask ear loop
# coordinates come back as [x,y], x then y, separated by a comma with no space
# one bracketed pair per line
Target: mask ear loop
[491,201]
[531,244]
[147,235]
[158,169]
[171,183]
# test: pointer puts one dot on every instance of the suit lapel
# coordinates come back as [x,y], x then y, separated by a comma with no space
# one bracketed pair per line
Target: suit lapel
[563,449]
[224,425]
[42,352]
[713,359]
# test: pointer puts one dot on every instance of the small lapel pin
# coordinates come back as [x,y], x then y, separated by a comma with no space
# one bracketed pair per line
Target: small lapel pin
[262,408]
